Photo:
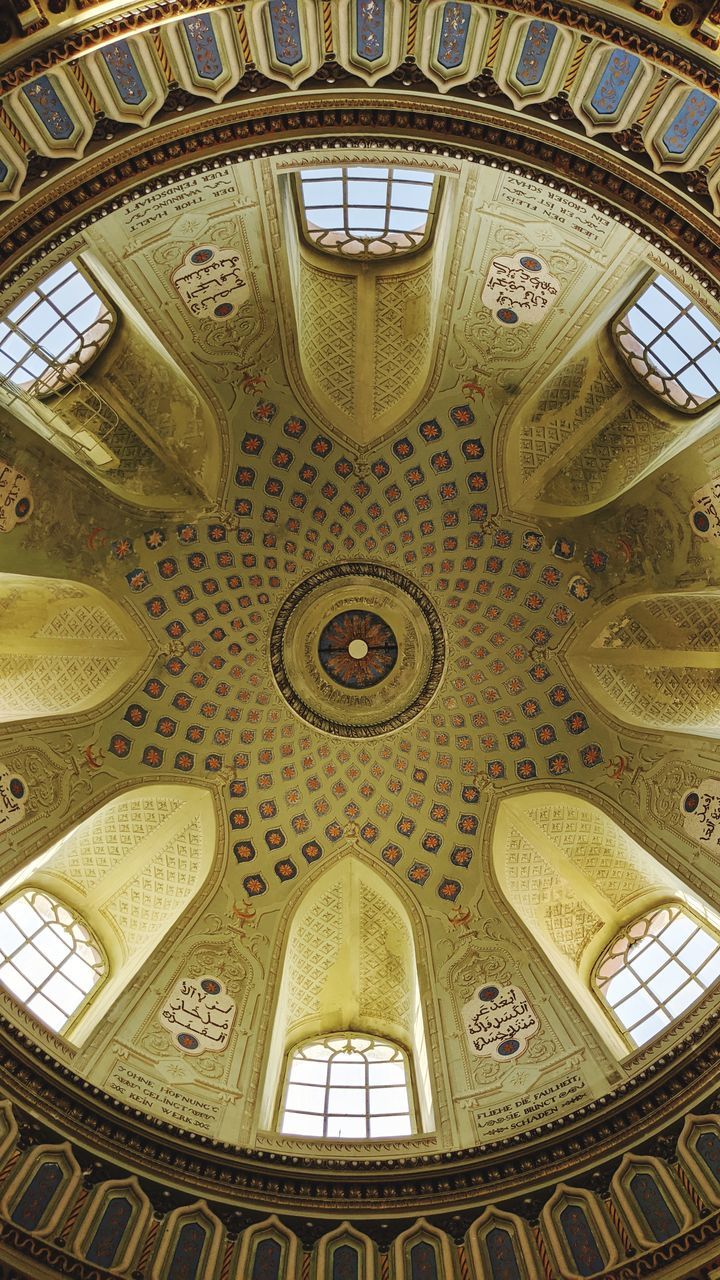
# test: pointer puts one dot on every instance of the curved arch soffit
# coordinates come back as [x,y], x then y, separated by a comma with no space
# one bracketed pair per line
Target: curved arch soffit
[65,648]
[653,661]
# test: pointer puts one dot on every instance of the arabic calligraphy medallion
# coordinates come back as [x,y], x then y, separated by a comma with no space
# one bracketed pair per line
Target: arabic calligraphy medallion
[199,1015]
[499,1022]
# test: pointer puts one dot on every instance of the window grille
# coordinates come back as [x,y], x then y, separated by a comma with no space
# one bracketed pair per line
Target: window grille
[48,960]
[671,345]
[656,969]
[367,211]
[54,332]
[348,1086]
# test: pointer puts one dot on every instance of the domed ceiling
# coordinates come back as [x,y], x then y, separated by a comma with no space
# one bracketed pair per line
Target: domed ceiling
[418,594]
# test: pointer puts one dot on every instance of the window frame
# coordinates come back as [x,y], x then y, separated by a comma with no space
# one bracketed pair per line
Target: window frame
[619,320]
[367,258]
[410,1088]
[26,891]
[64,370]
[701,923]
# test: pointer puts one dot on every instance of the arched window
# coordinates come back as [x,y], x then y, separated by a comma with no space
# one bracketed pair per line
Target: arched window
[54,332]
[348,1086]
[652,972]
[671,345]
[49,960]
[367,211]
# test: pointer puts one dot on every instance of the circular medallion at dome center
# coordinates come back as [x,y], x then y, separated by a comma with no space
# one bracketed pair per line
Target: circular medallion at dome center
[357,649]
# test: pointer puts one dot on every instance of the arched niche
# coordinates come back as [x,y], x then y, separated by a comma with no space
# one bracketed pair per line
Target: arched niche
[42,1188]
[345,1254]
[349,964]
[268,1249]
[654,1205]
[363,339]
[698,1151]
[579,1233]
[502,1244]
[64,647]
[424,1251]
[575,878]
[654,661]
[129,871]
[112,1223]
[132,417]
[189,1245]
[591,430]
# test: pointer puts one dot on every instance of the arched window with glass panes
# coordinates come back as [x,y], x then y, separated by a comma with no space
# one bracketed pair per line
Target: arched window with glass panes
[367,211]
[671,345]
[54,332]
[354,1087]
[656,969]
[49,960]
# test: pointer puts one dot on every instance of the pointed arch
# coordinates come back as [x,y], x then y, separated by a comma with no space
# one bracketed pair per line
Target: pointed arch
[650,1196]
[105,390]
[698,1150]
[575,878]
[268,1249]
[423,1250]
[190,1244]
[349,964]
[346,1252]
[129,871]
[112,1224]
[42,1188]
[591,431]
[64,647]
[501,1246]
[577,1228]
[654,661]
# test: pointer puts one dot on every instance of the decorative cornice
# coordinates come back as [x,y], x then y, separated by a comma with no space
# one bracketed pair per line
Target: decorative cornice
[619,30]
[528,147]
[432,1182]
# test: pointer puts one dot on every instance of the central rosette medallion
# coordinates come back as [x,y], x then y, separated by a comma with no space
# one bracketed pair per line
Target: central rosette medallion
[357,650]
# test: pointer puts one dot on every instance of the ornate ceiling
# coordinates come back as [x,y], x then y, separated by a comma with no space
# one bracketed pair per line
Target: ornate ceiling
[493,507]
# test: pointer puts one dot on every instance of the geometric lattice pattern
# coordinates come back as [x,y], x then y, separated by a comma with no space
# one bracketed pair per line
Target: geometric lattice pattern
[317,939]
[539,893]
[662,696]
[601,850]
[398,351]
[81,622]
[328,333]
[385,980]
[145,907]
[109,838]
[51,683]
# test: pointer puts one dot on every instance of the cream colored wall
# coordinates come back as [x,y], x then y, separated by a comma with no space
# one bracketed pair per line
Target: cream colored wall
[655,660]
[64,647]
[129,872]
[576,879]
[349,964]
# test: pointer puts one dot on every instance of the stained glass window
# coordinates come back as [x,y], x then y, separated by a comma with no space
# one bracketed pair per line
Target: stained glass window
[671,345]
[57,329]
[48,959]
[656,969]
[347,1086]
[367,211]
